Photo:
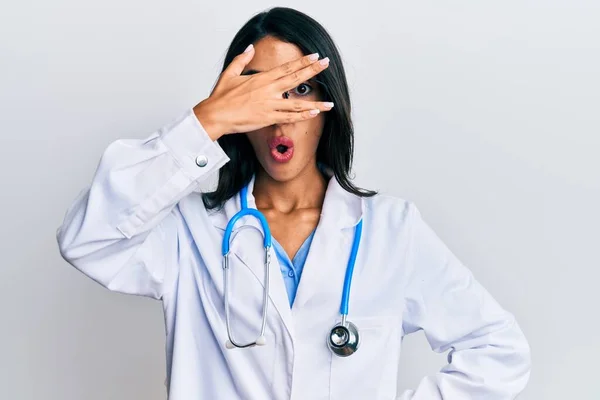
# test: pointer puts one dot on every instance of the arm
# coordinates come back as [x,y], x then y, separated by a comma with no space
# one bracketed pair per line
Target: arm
[488,357]
[121,230]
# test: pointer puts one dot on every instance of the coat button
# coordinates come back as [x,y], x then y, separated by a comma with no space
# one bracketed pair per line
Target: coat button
[201,161]
[291,274]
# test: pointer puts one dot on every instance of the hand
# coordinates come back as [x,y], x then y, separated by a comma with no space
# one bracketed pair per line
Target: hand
[243,103]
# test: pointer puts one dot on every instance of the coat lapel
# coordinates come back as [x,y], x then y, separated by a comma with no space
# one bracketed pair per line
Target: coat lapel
[323,274]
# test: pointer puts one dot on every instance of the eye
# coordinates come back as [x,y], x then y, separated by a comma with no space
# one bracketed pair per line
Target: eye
[303,89]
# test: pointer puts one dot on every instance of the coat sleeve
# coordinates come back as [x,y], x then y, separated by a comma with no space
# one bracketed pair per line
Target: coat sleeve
[121,230]
[489,357]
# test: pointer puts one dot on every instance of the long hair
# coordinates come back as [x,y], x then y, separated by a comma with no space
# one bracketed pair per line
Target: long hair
[336,145]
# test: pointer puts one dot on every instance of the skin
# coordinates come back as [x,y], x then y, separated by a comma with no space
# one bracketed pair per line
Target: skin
[291,194]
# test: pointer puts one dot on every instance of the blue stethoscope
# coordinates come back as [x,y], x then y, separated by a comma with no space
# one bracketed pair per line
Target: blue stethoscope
[343,338]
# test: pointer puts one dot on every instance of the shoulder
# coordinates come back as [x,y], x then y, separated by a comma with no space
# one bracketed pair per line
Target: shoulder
[394,210]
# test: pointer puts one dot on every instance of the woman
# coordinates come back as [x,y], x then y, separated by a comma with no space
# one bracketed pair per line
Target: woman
[144,227]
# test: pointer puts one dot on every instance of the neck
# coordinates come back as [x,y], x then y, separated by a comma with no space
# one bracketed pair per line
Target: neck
[307,190]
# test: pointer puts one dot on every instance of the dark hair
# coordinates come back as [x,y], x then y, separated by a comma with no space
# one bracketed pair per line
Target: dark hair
[336,145]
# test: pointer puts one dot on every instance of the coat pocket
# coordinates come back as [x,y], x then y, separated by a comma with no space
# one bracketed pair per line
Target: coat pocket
[371,372]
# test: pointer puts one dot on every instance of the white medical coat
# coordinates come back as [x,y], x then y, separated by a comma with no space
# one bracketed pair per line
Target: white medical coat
[141,228]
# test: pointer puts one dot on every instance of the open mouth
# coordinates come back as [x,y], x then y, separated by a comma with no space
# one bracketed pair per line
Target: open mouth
[282,148]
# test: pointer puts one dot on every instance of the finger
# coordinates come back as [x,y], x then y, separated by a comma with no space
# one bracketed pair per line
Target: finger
[290,67]
[300,105]
[240,61]
[286,117]
[294,79]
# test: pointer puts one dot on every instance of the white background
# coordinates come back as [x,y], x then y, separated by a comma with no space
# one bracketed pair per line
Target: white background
[485,114]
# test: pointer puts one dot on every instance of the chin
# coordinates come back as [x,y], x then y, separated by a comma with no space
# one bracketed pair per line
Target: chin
[281,172]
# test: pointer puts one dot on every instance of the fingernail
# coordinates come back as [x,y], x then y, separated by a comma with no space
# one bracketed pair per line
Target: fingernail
[313,57]
[313,112]
[324,61]
[328,105]
[248,48]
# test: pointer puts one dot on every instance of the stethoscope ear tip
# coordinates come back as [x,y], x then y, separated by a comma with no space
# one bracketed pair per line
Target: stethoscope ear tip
[261,341]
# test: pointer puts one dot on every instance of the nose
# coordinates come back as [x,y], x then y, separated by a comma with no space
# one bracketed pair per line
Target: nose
[280,129]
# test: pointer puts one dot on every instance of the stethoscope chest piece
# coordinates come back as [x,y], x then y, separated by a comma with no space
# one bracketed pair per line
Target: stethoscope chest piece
[344,339]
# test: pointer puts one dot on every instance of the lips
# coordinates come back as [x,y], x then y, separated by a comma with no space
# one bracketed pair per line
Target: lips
[282,148]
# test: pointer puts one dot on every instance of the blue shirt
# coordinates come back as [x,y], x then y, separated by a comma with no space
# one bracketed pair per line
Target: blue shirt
[292,269]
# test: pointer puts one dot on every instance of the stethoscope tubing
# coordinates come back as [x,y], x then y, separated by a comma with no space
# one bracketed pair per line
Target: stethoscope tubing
[344,306]
[352,344]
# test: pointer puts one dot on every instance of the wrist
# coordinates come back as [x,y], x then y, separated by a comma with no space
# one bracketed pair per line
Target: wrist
[208,121]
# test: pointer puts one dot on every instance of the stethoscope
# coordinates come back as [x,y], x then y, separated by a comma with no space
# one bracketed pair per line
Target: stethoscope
[343,338]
